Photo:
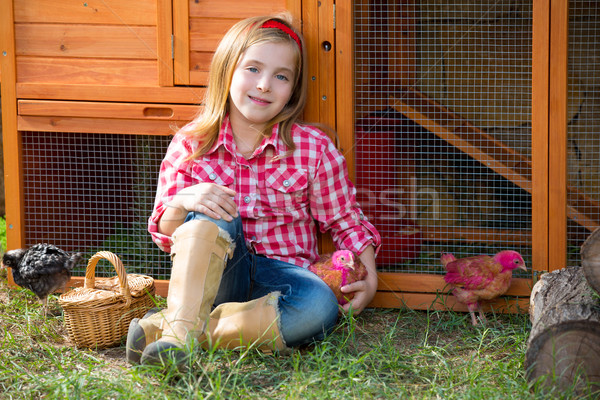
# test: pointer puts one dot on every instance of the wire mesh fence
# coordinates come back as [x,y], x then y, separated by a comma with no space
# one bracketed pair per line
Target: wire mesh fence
[443,138]
[90,192]
[583,131]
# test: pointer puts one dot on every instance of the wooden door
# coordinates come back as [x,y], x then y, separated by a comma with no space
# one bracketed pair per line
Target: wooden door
[199,25]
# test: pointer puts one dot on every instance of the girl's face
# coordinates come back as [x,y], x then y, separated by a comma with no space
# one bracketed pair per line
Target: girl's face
[262,84]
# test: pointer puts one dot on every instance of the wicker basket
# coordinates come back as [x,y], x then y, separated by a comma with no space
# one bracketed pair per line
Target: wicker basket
[98,314]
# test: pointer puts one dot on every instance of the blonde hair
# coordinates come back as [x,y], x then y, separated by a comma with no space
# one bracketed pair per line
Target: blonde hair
[240,37]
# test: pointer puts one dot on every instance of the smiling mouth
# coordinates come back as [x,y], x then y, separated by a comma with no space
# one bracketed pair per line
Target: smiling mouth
[259,101]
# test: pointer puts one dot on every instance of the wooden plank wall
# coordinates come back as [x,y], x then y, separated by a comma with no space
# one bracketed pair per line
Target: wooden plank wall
[116,45]
[97,51]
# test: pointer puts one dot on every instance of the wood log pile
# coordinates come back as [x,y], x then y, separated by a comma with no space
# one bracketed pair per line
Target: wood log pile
[563,351]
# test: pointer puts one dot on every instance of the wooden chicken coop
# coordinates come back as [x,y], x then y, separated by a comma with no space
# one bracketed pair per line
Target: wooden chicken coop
[468,126]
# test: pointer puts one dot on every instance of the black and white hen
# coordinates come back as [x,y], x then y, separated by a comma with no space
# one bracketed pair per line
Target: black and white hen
[43,268]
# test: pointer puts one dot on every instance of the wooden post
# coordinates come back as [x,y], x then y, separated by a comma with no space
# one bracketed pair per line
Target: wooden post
[557,140]
[181,42]
[10,135]
[539,134]
[165,56]
[344,63]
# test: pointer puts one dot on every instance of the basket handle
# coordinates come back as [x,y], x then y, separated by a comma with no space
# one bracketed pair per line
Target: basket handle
[90,273]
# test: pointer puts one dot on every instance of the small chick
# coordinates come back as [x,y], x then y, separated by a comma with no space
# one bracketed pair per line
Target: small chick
[480,277]
[338,269]
[43,268]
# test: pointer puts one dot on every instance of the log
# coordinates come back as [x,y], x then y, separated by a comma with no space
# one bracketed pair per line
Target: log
[563,350]
[590,260]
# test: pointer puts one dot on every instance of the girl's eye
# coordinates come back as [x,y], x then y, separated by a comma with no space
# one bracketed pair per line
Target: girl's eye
[281,77]
[252,69]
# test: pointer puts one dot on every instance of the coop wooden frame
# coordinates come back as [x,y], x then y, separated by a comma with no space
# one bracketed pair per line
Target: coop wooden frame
[85,105]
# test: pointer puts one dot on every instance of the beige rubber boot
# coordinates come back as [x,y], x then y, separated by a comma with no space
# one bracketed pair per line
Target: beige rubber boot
[199,253]
[141,333]
[242,325]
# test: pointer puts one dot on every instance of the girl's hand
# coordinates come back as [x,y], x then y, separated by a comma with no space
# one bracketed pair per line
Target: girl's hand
[364,290]
[207,198]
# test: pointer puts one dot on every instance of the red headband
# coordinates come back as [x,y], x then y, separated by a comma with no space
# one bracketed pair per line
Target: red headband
[283,27]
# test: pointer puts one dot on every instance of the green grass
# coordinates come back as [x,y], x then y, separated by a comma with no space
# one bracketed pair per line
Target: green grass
[379,354]
[3,234]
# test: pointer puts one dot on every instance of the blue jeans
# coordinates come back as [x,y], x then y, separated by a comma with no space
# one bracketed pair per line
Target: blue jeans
[308,308]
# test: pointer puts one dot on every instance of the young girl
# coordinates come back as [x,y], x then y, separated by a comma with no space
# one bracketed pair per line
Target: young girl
[241,193]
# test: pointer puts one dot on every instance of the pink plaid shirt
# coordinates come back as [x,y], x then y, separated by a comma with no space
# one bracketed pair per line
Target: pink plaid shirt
[280,198]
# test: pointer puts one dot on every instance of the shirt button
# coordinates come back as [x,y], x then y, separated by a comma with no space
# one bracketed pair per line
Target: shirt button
[247,199]
[286,183]
[213,176]
[253,238]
